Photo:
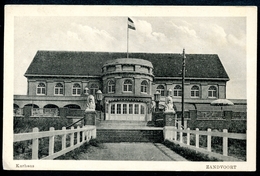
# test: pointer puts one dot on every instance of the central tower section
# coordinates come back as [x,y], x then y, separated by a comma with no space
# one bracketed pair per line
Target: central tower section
[127,88]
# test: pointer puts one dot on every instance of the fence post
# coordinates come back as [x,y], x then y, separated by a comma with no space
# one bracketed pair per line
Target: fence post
[35,145]
[225,143]
[175,133]
[181,135]
[209,140]
[94,133]
[72,137]
[78,135]
[188,136]
[197,138]
[51,143]
[63,140]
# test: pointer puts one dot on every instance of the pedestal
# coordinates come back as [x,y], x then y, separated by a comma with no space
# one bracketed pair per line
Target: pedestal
[169,118]
[90,118]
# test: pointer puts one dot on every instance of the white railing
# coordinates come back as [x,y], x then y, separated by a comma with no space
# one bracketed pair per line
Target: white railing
[171,133]
[85,134]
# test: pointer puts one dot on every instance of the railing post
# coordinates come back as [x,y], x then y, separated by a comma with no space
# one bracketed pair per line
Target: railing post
[88,135]
[188,136]
[225,143]
[181,135]
[83,135]
[209,140]
[63,139]
[72,137]
[51,143]
[78,135]
[35,145]
[197,138]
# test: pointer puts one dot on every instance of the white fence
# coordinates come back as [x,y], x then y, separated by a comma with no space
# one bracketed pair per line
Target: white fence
[171,133]
[86,133]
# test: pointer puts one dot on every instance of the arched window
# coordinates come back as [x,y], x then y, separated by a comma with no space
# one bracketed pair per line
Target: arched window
[212,92]
[127,87]
[41,89]
[195,91]
[58,89]
[93,89]
[144,86]
[177,92]
[160,89]
[76,89]
[111,86]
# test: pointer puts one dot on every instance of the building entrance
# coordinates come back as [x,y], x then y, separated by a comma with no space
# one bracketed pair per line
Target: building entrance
[127,111]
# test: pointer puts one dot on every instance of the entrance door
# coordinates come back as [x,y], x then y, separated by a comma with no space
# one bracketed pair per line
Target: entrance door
[127,111]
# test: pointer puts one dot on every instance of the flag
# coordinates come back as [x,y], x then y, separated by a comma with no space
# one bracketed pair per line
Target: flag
[131,24]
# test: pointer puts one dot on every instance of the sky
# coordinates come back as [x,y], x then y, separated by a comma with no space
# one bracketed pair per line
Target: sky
[224,36]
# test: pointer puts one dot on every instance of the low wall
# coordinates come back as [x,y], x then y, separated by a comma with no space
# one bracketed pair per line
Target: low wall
[216,120]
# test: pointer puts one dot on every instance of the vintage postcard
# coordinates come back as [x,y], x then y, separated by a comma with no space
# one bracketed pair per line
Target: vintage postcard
[133,88]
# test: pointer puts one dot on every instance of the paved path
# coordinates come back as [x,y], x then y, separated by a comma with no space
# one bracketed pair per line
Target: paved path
[130,151]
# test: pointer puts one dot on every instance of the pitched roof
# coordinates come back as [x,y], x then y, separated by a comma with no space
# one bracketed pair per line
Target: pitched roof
[90,64]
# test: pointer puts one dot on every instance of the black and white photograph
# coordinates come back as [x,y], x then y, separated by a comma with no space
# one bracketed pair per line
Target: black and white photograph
[159,88]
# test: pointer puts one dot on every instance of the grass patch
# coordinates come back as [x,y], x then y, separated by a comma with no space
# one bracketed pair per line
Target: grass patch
[74,154]
[189,154]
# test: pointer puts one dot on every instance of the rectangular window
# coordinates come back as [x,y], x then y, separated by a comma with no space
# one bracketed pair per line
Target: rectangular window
[125,87]
[113,88]
[162,93]
[136,108]
[118,108]
[124,108]
[113,109]
[130,88]
[142,109]
[61,91]
[215,94]
[130,108]
[43,90]
[78,91]
[38,90]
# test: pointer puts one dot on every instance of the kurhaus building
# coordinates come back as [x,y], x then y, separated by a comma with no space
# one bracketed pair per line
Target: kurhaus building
[59,79]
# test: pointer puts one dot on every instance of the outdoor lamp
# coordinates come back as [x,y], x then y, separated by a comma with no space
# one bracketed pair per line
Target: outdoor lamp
[157,97]
[169,92]
[99,98]
[86,91]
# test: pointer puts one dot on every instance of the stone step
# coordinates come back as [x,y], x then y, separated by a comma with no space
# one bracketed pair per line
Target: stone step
[130,135]
[122,123]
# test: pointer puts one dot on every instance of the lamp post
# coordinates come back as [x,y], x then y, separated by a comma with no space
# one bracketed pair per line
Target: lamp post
[99,98]
[157,97]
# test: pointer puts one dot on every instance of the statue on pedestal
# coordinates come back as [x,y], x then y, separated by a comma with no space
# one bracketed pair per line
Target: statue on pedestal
[169,104]
[90,103]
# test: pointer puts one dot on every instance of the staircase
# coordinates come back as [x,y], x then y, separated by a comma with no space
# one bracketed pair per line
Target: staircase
[128,131]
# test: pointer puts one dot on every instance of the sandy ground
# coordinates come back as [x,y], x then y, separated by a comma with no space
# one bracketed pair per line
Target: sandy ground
[125,151]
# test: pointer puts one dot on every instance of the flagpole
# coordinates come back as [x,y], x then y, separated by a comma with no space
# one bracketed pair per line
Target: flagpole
[182,97]
[127,37]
